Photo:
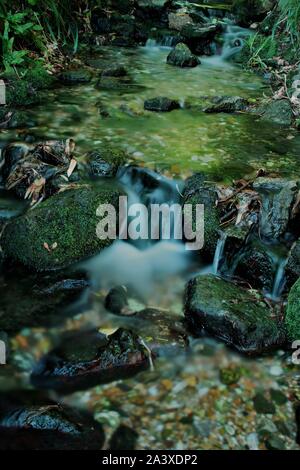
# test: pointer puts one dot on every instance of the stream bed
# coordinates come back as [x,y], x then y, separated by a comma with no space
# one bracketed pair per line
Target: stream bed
[208,397]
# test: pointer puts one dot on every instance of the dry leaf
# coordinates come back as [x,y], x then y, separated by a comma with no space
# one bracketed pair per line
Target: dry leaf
[46,246]
[72,167]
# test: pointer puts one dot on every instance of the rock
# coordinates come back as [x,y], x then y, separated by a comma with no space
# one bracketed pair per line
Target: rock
[292,317]
[106,161]
[118,84]
[196,31]
[84,360]
[114,71]
[262,405]
[49,427]
[40,299]
[277,197]
[12,154]
[181,56]
[279,112]
[292,270]
[69,234]
[231,314]
[177,20]
[124,438]
[75,77]
[278,397]
[161,104]
[256,266]
[116,300]
[197,191]
[227,104]
[152,3]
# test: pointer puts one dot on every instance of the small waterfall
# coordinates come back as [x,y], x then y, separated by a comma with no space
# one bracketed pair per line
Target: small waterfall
[164,42]
[234,39]
[219,254]
[278,285]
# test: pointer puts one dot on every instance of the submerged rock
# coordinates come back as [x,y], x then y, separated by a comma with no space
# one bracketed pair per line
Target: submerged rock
[49,427]
[197,191]
[181,56]
[116,300]
[161,104]
[292,318]
[278,111]
[277,198]
[60,231]
[232,314]
[106,161]
[227,104]
[114,71]
[124,438]
[31,300]
[87,359]
[75,77]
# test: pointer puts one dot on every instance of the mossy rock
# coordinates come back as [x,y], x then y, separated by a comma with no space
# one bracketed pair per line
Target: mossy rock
[26,91]
[181,56]
[59,232]
[106,161]
[197,191]
[292,319]
[235,315]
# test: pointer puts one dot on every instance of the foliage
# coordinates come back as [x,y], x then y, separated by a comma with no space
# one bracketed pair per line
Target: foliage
[259,50]
[290,16]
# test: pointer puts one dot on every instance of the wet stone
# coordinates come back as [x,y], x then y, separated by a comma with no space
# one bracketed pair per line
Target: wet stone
[161,104]
[88,359]
[262,405]
[49,427]
[181,56]
[75,77]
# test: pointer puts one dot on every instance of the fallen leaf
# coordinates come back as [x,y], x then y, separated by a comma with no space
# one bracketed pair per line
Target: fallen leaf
[72,167]
[46,246]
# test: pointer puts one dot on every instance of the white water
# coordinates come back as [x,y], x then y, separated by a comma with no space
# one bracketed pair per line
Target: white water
[219,254]
[279,280]
[166,42]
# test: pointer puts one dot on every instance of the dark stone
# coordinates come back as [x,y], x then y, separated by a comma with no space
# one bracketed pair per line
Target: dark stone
[88,359]
[232,314]
[256,266]
[275,443]
[114,71]
[197,191]
[262,405]
[12,154]
[227,104]
[124,438]
[292,317]
[49,427]
[297,416]
[116,300]
[75,77]
[278,397]
[31,300]
[181,56]
[118,84]
[277,197]
[161,104]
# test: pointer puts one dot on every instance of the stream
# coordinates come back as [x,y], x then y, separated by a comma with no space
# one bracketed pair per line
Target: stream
[184,402]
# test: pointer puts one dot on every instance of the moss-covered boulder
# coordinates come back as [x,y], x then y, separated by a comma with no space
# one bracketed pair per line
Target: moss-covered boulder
[181,56]
[161,104]
[197,191]
[232,314]
[292,318]
[60,231]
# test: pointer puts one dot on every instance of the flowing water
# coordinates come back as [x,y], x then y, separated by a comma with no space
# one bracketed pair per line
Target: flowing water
[179,404]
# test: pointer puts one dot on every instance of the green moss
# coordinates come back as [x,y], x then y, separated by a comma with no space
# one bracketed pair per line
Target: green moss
[66,221]
[292,319]
[23,91]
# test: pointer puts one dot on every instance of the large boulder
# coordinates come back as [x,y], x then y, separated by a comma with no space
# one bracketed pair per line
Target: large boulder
[277,197]
[49,427]
[197,191]
[232,314]
[292,318]
[181,56]
[61,230]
